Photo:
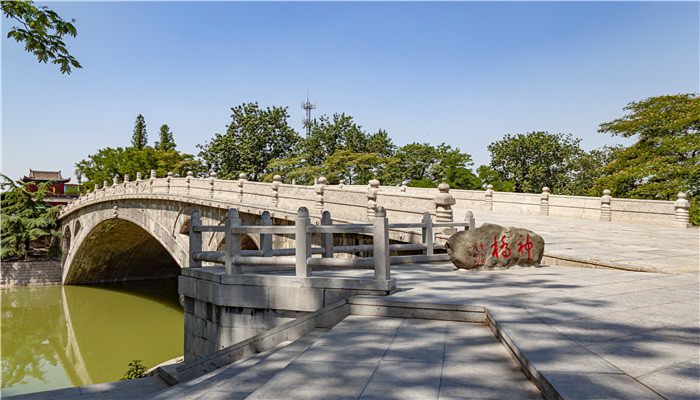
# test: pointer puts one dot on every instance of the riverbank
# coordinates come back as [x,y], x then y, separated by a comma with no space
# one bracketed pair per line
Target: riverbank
[30,273]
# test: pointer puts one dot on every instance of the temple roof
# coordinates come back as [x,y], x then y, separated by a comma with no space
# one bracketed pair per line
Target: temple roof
[44,176]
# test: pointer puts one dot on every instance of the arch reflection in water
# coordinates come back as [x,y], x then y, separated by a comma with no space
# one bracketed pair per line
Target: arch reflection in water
[60,336]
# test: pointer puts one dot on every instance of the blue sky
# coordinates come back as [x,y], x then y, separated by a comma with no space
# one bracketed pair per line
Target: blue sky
[461,73]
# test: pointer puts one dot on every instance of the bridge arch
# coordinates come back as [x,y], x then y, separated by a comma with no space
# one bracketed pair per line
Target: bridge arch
[118,249]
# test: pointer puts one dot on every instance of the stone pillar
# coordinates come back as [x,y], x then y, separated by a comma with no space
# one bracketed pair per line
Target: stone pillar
[276,182]
[152,179]
[682,206]
[443,207]
[212,178]
[372,191]
[320,187]
[469,219]
[241,180]
[97,187]
[104,185]
[138,176]
[403,186]
[605,207]
[188,179]
[488,199]
[544,201]
[341,184]
[115,180]
[167,181]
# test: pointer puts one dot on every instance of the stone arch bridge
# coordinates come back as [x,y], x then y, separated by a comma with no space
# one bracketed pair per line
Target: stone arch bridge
[138,229]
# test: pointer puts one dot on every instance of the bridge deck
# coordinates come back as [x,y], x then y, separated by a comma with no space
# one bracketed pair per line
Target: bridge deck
[634,246]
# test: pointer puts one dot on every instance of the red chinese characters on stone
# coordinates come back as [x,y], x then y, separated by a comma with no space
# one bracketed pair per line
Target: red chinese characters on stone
[504,248]
[478,255]
[528,245]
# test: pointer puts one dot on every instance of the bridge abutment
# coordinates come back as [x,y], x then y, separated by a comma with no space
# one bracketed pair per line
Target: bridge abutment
[221,310]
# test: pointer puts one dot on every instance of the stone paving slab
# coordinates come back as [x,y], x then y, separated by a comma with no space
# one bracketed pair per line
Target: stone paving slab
[416,363]
[636,246]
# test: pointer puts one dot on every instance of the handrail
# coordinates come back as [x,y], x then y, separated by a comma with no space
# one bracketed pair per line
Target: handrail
[302,255]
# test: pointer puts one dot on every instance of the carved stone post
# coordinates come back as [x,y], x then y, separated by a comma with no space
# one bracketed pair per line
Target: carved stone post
[303,243]
[403,186]
[242,178]
[341,184]
[276,182]
[544,201]
[266,238]
[138,176]
[605,207]
[327,238]
[682,206]
[152,179]
[232,242]
[443,207]
[104,185]
[320,187]
[380,239]
[195,238]
[488,199]
[212,178]
[372,190]
[115,180]
[469,219]
[167,181]
[188,179]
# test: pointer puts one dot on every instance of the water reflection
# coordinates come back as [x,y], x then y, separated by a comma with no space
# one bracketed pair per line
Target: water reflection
[59,336]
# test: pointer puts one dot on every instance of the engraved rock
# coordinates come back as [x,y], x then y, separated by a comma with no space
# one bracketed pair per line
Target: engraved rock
[493,246]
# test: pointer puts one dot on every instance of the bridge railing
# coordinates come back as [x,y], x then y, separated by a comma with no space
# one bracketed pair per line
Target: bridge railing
[301,257]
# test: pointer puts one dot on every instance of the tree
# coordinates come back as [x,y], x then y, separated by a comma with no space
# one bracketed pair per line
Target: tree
[166,139]
[42,31]
[424,165]
[254,138]
[26,218]
[139,139]
[109,162]
[666,157]
[489,176]
[537,159]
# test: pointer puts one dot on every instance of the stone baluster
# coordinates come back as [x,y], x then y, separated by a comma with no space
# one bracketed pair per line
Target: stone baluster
[443,207]
[212,179]
[232,242]
[97,187]
[276,182]
[372,191]
[319,188]
[488,199]
[682,208]
[544,201]
[104,187]
[168,178]
[303,243]
[126,182]
[195,238]
[115,182]
[188,180]
[137,182]
[341,184]
[327,238]
[242,178]
[380,239]
[605,207]
[403,186]
[470,221]
[266,238]
[152,179]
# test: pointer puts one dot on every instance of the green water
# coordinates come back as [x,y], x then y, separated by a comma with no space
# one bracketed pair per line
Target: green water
[60,336]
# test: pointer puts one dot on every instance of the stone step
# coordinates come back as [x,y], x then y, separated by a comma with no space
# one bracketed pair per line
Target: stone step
[238,380]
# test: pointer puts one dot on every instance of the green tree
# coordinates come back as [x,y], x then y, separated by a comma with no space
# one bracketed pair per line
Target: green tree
[537,159]
[139,139]
[109,162]
[166,141]
[489,176]
[26,218]
[666,156]
[254,138]
[42,31]
[424,165]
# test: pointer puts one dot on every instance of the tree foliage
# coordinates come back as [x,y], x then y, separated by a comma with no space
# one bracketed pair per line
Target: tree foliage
[166,141]
[254,138]
[139,138]
[26,218]
[42,31]
[537,159]
[666,157]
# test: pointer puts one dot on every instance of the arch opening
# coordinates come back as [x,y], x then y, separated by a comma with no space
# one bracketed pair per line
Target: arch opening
[117,250]
[247,243]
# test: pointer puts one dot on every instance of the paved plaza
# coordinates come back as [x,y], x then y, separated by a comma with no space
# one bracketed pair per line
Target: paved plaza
[633,246]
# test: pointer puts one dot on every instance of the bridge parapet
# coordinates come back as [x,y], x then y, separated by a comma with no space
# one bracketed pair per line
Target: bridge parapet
[351,202]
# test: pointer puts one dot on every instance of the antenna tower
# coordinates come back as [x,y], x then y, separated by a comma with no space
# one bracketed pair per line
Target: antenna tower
[307,106]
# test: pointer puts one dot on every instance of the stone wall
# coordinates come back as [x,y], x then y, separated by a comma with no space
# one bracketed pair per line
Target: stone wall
[30,273]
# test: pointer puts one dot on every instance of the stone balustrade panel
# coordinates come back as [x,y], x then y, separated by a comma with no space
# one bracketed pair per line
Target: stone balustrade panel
[574,206]
[657,212]
[291,197]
